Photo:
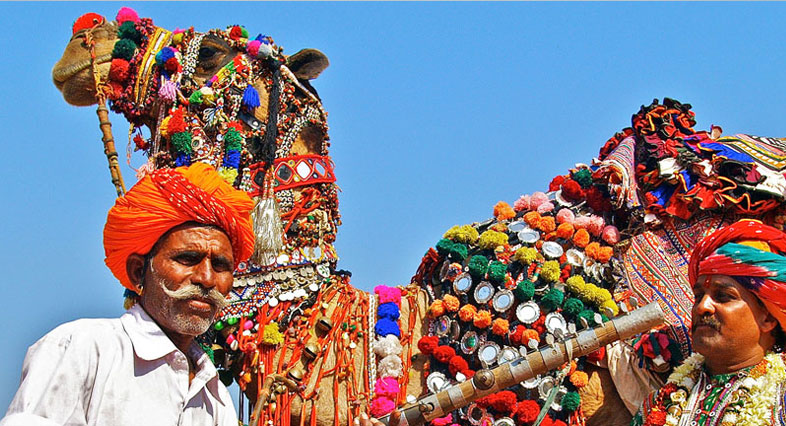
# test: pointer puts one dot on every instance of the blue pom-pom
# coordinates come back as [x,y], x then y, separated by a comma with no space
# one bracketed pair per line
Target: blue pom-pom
[388,310]
[387,326]
[164,55]
[232,159]
[183,159]
[250,97]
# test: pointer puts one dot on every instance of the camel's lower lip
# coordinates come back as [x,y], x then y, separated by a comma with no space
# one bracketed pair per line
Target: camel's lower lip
[61,75]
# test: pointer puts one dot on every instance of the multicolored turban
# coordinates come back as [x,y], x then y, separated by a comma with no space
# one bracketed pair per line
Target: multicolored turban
[169,197]
[752,253]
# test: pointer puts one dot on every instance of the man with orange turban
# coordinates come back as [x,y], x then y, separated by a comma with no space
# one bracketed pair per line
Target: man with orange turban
[173,241]
[738,374]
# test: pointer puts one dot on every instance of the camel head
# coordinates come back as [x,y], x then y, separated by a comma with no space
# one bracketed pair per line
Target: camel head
[223,97]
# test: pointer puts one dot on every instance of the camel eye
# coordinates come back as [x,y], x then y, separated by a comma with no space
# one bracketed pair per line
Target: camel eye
[206,53]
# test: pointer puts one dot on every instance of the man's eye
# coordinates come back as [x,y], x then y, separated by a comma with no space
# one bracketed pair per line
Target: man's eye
[187,259]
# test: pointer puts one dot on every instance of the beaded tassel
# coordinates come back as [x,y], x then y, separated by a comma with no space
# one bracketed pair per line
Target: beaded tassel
[266,221]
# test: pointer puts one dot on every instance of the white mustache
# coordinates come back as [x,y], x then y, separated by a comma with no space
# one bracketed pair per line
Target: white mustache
[193,291]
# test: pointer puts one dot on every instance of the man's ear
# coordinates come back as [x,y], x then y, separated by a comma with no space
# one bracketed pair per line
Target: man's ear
[768,323]
[135,268]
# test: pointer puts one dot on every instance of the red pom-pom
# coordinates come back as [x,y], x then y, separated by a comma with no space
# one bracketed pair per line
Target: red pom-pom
[126,14]
[444,353]
[118,71]
[558,423]
[468,373]
[176,122]
[540,324]
[172,65]
[597,356]
[655,418]
[140,142]
[239,127]
[115,90]
[556,182]
[547,421]
[527,411]
[571,190]
[596,201]
[87,21]
[518,335]
[235,33]
[427,344]
[504,402]
[457,363]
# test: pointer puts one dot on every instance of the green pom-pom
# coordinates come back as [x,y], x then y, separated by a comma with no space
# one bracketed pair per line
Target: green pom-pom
[478,265]
[497,271]
[571,401]
[583,177]
[195,98]
[552,299]
[124,49]
[588,315]
[604,318]
[443,246]
[233,140]
[128,31]
[524,290]
[572,307]
[182,142]
[458,251]
[244,32]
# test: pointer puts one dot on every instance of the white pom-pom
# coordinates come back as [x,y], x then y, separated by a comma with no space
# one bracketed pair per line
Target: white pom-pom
[390,366]
[265,50]
[388,345]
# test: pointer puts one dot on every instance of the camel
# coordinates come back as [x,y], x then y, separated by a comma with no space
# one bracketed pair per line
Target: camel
[307,347]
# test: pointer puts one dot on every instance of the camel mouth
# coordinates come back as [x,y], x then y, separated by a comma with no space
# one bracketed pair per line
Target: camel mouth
[61,75]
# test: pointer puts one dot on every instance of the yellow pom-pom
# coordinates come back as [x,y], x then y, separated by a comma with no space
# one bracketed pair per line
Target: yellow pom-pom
[462,234]
[611,305]
[162,129]
[526,255]
[576,284]
[229,174]
[271,335]
[491,239]
[177,38]
[550,271]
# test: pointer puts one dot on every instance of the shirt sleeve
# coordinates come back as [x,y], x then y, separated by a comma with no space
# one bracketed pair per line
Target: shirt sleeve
[56,384]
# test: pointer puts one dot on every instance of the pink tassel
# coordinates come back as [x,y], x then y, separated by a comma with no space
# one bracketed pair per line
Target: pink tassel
[168,91]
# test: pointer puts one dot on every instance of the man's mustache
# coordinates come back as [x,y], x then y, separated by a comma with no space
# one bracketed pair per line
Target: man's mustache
[706,320]
[193,291]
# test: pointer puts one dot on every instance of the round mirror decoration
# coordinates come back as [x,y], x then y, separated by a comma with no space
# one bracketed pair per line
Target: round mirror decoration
[507,354]
[552,249]
[503,301]
[488,353]
[529,235]
[528,312]
[555,322]
[517,226]
[436,382]
[442,327]
[469,342]
[462,284]
[484,292]
[531,383]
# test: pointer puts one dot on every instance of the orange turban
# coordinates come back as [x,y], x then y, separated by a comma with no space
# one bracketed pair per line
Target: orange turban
[169,197]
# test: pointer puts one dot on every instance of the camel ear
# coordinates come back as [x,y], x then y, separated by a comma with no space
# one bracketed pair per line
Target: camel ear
[307,64]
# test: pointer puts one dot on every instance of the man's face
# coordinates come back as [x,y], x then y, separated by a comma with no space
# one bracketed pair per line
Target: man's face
[188,278]
[728,320]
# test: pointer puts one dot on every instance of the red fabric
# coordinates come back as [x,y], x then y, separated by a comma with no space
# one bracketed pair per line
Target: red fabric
[167,198]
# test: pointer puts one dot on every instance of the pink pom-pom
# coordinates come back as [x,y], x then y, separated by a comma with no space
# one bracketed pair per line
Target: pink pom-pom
[387,387]
[253,47]
[596,225]
[565,216]
[611,235]
[127,14]
[546,207]
[537,199]
[522,203]
[581,222]
[168,91]
[381,406]
[443,421]
[388,294]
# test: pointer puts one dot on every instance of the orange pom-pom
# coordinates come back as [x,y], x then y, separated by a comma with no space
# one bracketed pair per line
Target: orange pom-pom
[532,218]
[436,309]
[482,319]
[547,224]
[581,238]
[503,211]
[530,334]
[467,313]
[451,303]
[592,250]
[604,254]
[565,231]
[579,379]
[500,327]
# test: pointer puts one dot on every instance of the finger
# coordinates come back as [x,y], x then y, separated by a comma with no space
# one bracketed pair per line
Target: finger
[395,418]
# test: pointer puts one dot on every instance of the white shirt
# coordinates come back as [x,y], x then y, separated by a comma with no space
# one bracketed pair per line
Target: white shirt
[122,371]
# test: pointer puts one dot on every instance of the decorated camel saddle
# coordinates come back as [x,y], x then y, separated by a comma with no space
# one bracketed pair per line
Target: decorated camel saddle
[306,347]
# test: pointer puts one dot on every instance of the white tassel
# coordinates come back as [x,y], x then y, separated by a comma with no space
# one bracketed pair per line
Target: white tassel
[266,220]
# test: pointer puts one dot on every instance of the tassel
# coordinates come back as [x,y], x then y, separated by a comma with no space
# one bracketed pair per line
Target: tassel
[250,97]
[168,91]
[266,221]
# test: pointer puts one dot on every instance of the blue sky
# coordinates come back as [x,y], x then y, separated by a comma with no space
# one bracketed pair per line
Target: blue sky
[437,111]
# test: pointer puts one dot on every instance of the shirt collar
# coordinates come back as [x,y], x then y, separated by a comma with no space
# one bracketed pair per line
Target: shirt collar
[150,343]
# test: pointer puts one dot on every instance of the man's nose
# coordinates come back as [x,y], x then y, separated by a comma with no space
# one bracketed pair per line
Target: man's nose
[703,305]
[203,274]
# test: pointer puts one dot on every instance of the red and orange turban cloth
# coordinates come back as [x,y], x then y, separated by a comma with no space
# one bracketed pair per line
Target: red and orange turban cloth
[753,254]
[166,198]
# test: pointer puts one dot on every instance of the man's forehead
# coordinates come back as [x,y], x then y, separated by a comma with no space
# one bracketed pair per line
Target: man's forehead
[722,281]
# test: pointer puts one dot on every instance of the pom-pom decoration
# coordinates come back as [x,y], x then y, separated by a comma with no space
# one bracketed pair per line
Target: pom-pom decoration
[86,22]
[126,14]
